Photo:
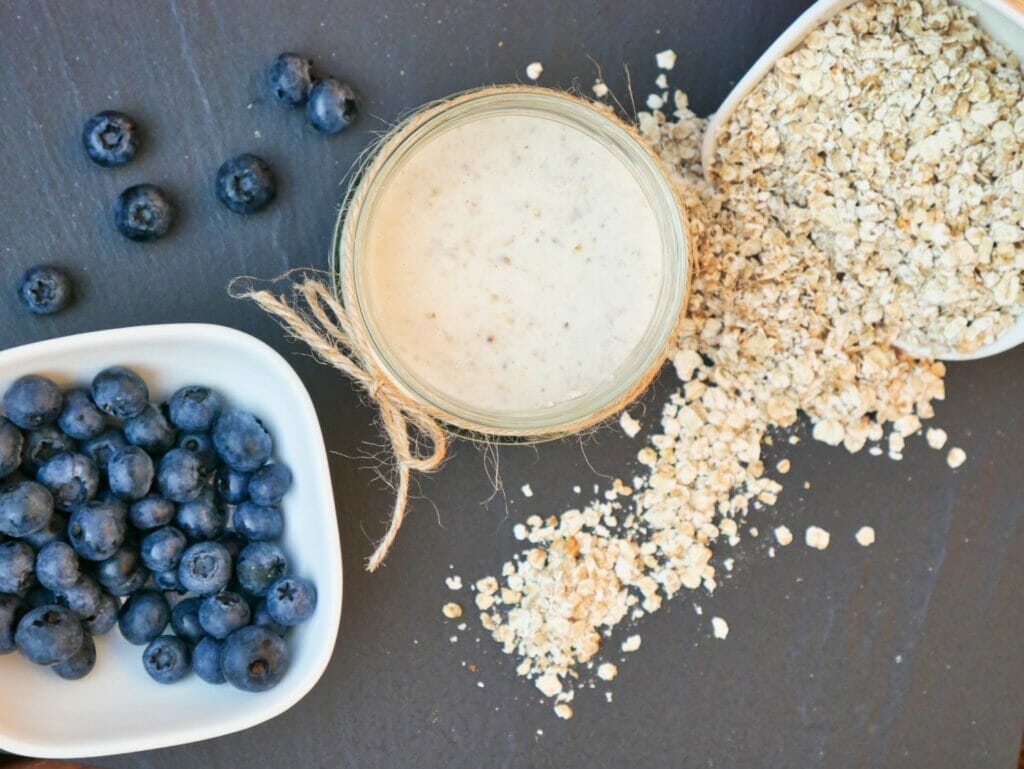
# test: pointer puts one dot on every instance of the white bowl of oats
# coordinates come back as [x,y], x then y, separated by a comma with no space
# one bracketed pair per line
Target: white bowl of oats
[897,125]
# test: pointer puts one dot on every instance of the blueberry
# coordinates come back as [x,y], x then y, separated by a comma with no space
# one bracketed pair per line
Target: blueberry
[97,528]
[201,519]
[180,476]
[261,618]
[200,444]
[257,523]
[130,473]
[83,598]
[39,596]
[57,566]
[49,634]
[254,659]
[79,417]
[259,565]
[161,549]
[103,447]
[167,580]
[32,401]
[122,573]
[12,443]
[269,484]
[194,408]
[233,543]
[45,290]
[79,664]
[289,79]
[143,617]
[17,567]
[332,106]
[143,213]
[291,600]
[223,614]
[110,138]
[232,485]
[55,530]
[12,609]
[205,568]
[120,392]
[71,478]
[241,440]
[105,617]
[185,620]
[166,659]
[25,508]
[151,512]
[245,184]
[150,430]
[206,660]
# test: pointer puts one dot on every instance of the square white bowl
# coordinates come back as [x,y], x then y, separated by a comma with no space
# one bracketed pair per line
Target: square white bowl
[117,708]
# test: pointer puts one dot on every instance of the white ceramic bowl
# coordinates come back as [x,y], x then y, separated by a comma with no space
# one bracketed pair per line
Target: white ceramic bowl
[1002,19]
[118,708]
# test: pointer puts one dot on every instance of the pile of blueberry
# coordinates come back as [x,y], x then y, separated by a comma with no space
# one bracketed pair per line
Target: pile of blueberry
[106,496]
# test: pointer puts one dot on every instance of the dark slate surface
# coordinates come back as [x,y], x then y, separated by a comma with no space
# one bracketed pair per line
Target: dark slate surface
[907,654]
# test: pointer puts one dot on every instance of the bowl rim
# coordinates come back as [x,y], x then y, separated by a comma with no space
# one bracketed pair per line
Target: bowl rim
[306,676]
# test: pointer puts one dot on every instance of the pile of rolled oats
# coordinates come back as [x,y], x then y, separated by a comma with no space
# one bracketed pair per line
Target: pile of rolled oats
[806,259]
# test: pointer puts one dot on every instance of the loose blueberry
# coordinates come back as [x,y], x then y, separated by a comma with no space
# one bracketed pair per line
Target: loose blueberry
[32,401]
[241,440]
[17,567]
[83,598]
[120,392]
[12,609]
[12,443]
[259,565]
[55,530]
[104,446]
[291,600]
[332,106]
[105,617]
[161,549]
[245,184]
[143,213]
[289,79]
[79,664]
[152,512]
[150,430]
[25,507]
[57,566]
[110,138]
[45,290]
[122,573]
[194,408]
[206,660]
[166,659]
[71,478]
[205,568]
[130,473]
[185,620]
[79,418]
[254,659]
[257,523]
[97,528]
[224,613]
[49,634]
[232,485]
[143,617]
[269,484]
[261,618]
[201,519]
[180,476]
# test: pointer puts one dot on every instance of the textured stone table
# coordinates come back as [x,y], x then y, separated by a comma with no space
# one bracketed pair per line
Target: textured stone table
[905,654]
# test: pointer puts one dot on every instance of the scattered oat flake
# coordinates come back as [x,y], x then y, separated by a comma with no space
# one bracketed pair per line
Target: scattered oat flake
[600,89]
[661,81]
[936,437]
[629,425]
[631,644]
[563,710]
[654,102]
[719,627]
[783,535]
[817,537]
[782,466]
[665,59]
[451,610]
[865,536]
[454,582]
[534,70]
[956,457]
[606,671]
[527,491]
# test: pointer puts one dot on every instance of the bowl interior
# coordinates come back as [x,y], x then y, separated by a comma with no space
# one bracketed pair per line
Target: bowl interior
[118,708]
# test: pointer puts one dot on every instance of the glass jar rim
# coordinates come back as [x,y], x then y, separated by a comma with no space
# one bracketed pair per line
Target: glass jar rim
[637,369]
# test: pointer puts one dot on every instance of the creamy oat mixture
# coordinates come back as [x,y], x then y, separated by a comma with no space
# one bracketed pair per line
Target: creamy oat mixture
[515,264]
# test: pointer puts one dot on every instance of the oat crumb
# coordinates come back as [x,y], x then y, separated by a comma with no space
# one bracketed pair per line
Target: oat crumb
[936,437]
[606,671]
[661,81]
[865,536]
[629,425]
[534,70]
[782,466]
[454,583]
[956,457]
[719,627]
[817,537]
[665,59]
[451,610]
[631,644]
[527,491]
[783,535]
[563,711]
[600,89]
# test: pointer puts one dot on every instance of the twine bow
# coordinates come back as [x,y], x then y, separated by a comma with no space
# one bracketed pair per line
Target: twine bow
[326,327]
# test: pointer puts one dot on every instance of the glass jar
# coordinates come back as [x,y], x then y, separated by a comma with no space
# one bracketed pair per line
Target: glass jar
[351,261]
